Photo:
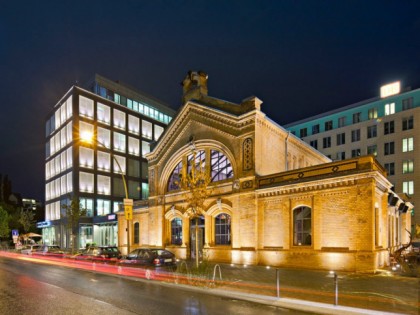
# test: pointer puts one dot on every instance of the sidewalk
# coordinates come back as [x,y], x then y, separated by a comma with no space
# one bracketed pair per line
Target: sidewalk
[314,291]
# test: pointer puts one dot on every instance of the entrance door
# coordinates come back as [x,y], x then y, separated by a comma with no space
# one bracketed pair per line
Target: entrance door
[200,236]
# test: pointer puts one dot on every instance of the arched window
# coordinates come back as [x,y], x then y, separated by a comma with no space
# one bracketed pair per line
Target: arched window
[200,160]
[221,167]
[136,233]
[175,179]
[302,226]
[176,231]
[222,228]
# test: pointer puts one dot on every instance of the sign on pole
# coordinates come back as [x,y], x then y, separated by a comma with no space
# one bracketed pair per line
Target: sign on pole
[128,209]
[15,235]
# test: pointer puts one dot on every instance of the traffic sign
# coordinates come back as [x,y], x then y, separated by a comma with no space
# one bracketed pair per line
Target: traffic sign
[128,209]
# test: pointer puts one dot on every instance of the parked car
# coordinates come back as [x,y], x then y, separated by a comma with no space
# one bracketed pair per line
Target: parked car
[29,249]
[156,257]
[49,250]
[100,253]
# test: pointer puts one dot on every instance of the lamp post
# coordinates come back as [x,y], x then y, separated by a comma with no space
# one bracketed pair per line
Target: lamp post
[128,203]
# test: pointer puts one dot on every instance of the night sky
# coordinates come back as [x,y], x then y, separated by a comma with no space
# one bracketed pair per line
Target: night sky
[300,57]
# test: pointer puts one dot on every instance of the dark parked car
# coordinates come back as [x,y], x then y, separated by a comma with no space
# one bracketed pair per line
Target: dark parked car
[49,250]
[149,257]
[100,253]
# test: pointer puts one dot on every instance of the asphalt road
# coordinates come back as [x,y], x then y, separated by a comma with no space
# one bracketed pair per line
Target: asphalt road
[27,287]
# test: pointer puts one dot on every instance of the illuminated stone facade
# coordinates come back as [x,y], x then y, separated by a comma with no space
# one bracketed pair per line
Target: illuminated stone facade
[279,202]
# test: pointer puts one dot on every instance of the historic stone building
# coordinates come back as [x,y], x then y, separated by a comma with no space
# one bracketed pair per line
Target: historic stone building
[274,200]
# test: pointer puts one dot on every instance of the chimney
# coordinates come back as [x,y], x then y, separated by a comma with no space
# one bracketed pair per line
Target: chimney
[194,85]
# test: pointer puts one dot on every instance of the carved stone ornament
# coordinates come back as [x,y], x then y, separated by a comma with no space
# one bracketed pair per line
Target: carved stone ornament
[248,153]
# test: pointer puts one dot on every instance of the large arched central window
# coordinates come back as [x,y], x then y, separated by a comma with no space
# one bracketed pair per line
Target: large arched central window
[222,228]
[220,167]
[302,226]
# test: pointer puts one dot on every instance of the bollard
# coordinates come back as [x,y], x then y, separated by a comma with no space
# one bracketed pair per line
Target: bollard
[278,282]
[336,287]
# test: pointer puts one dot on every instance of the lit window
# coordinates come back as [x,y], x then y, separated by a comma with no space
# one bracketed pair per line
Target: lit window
[119,164]
[85,128]
[302,226]
[144,191]
[373,113]
[389,109]
[85,182]
[103,185]
[408,144]
[176,231]
[103,161]
[408,166]
[85,157]
[133,146]
[146,129]
[158,132]
[119,142]
[133,124]
[103,207]
[145,148]
[408,187]
[222,229]
[119,119]
[85,107]
[104,137]
[87,203]
[103,113]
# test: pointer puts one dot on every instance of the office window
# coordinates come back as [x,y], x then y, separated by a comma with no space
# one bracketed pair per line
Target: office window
[371,131]
[341,122]
[326,142]
[408,187]
[355,135]
[314,144]
[390,168]
[119,142]
[119,119]
[302,226]
[84,128]
[315,129]
[87,203]
[119,164]
[144,191]
[341,155]
[158,132]
[133,124]
[328,125]
[355,153]
[103,207]
[341,138]
[373,113]
[103,113]
[85,157]
[103,161]
[408,144]
[357,117]
[103,185]
[372,150]
[134,168]
[407,103]
[408,123]
[389,148]
[85,107]
[104,137]
[86,182]
[388,127]
[145,148]
[146,129]
[303,132]
[389,109]
[408,166]
[133,146]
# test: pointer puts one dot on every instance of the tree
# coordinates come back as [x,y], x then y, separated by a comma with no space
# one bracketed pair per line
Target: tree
[26,218]
[196,183]
[74,211]
[4,223]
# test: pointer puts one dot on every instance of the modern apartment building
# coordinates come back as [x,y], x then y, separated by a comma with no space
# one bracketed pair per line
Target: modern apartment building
[123,123]
[387,127]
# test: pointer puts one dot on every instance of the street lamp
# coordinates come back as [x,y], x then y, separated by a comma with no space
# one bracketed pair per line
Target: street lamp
[88,137]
